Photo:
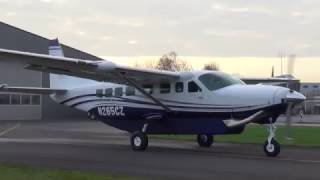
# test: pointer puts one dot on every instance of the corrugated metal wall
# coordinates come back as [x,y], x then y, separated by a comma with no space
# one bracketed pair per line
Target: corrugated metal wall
[13,74]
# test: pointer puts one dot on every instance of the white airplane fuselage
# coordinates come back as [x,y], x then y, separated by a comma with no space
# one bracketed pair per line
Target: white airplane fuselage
[199,111]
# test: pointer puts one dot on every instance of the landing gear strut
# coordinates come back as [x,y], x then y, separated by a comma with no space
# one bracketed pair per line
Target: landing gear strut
[139,139]
[271,146]
[205,140]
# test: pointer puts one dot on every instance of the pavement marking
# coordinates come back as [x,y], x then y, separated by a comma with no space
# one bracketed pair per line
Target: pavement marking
[10,129]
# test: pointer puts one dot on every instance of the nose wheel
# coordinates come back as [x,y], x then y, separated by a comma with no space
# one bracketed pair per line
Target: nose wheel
[271,146]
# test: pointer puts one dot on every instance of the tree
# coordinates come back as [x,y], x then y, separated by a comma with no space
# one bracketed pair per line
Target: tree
[211,66]
[170,62]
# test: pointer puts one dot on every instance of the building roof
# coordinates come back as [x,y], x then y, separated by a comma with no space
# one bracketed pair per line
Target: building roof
[14,38]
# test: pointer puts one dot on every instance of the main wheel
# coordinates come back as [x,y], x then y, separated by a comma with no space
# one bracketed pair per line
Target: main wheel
[205,140]
[272,149]
[139,141]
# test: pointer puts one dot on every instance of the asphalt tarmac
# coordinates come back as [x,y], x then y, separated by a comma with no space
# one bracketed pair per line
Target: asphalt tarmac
[93,146]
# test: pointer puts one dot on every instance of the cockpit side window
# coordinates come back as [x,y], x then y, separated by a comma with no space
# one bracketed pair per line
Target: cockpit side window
[214,81]
[193,87]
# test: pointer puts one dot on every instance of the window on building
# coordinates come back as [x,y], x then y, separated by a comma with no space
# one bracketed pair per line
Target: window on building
[35,99]
[148,88]
[4,99]
[315,86]
[305,86]
[118,92]
[15,99]
[99,93]
[165,88]
[179,87]
[108,92]
[193,87]
[25,99]
[130,91]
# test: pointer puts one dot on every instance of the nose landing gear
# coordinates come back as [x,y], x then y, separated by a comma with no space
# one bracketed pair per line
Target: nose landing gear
[139,139]
[271,146]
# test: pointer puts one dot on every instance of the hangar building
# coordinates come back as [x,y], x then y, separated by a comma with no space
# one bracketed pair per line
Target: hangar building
[25,106]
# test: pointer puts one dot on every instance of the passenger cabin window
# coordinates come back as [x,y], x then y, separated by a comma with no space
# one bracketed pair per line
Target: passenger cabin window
[118,92]
[193,87]
[130,91]
[99,93]
[179,87]
[165,88]
[108,92]
[148,88]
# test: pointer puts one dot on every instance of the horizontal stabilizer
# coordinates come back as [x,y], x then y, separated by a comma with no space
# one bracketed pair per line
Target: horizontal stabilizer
[31,90]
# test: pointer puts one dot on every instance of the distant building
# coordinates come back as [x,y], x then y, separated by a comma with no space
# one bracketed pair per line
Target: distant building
[24,106]
[312,93]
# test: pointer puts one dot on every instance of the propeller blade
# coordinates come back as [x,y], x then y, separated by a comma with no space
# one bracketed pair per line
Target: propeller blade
[289,120]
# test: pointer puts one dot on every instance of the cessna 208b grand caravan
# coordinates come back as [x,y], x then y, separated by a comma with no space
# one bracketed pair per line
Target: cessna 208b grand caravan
[143,101]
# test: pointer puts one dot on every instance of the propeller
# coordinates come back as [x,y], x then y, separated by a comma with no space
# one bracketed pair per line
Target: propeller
[289,120]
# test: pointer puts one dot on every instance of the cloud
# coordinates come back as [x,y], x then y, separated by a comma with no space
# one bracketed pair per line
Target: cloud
[217,6]
[81,33]
[10,14]
[236,34]
[101,18]
[52,1]
[132,42]
[106,38]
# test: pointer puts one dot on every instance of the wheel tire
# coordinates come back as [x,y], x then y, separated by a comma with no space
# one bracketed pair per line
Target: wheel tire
[273,149]
[139,141]
[205,140]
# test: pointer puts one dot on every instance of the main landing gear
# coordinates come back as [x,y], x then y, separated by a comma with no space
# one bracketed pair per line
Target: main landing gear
[271,146]
[205,140]
[139,139]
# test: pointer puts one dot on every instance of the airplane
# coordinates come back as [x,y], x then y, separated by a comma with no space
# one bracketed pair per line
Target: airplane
[148,101]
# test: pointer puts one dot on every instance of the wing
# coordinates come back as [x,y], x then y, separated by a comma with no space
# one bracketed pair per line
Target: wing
[96,70]
[31,90]
[267,81]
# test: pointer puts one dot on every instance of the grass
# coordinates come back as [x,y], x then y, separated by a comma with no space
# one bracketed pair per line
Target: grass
[256,134]
[12,172]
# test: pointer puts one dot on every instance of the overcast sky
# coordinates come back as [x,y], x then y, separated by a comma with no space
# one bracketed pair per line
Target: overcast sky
[191,28]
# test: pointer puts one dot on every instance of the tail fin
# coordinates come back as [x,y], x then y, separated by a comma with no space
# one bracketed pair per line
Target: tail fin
[64,81]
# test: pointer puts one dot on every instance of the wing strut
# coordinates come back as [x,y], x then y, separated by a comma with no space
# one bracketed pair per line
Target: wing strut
[137,86]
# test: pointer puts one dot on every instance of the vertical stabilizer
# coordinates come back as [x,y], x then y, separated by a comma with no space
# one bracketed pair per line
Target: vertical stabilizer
[63,81]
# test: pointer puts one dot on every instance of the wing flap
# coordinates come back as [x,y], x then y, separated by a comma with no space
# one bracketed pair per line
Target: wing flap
[31,90]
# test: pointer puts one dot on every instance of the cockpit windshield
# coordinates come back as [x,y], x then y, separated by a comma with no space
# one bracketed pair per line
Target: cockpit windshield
[218,80]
